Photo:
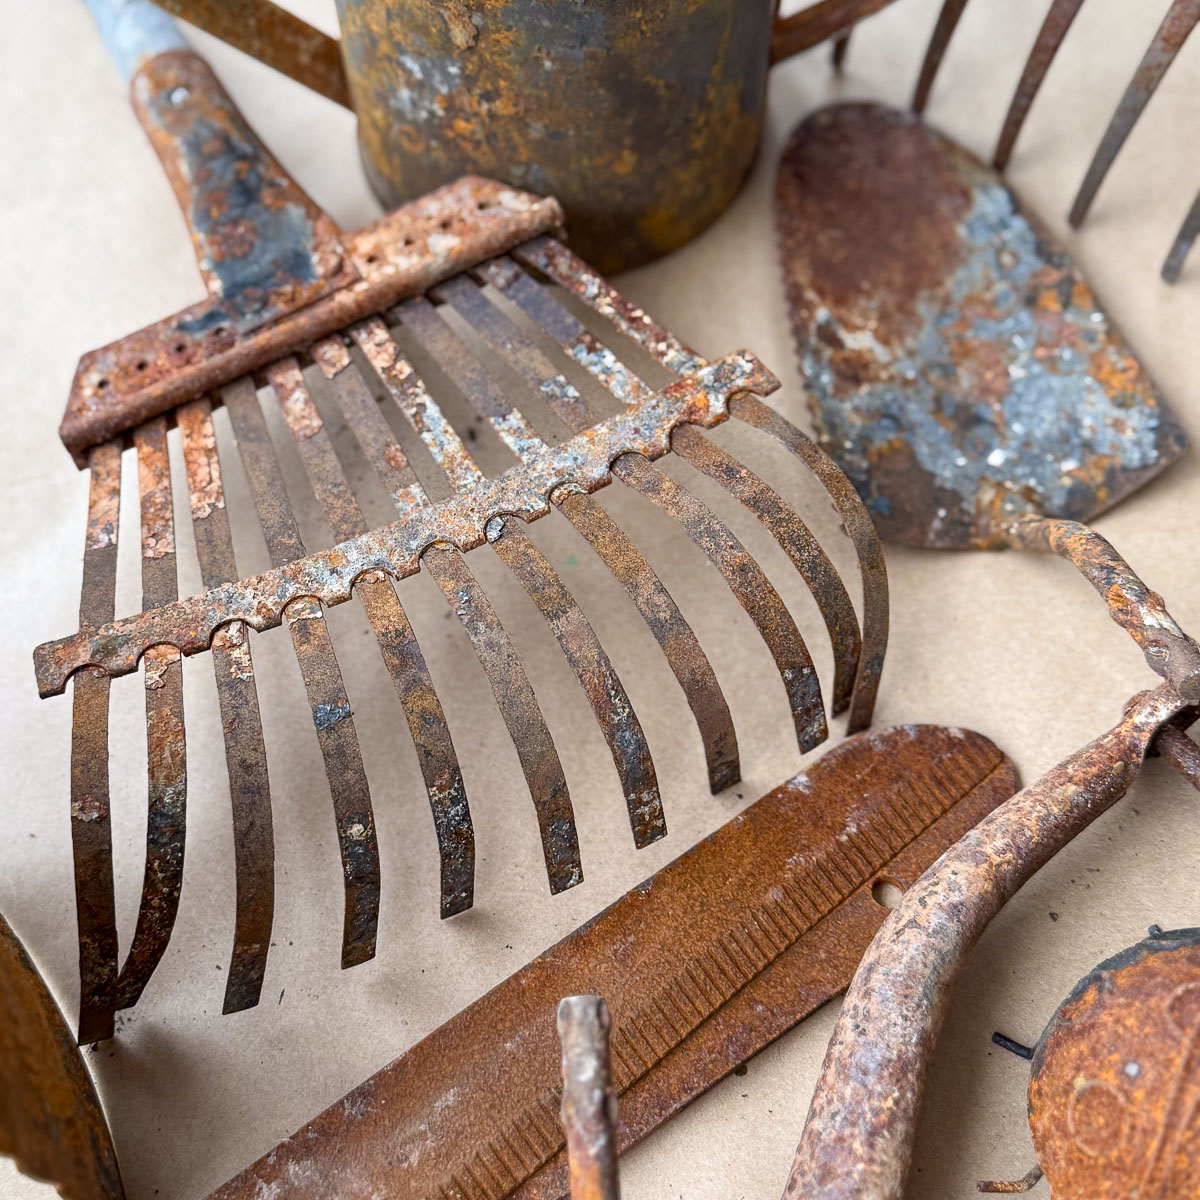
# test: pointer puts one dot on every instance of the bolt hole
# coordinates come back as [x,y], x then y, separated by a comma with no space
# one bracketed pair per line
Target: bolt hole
[141,365]
[444,224]
[179,347]
[372,258]
[220,329]
[407,242]
[482,205]
[101,384]
[886,893]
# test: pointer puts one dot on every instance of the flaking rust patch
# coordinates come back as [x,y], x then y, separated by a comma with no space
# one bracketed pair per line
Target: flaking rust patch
[958,367]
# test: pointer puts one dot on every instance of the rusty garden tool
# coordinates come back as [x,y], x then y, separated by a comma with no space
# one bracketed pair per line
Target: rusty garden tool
[312,313]
[51,1122]
[958,366]
[701,966]
[1114,1087]
[1178,22]
[962,371]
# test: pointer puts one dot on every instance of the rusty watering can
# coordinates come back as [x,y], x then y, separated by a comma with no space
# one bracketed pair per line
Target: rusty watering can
[642,117]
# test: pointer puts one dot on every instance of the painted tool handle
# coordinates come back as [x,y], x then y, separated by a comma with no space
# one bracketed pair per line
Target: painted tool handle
[262,245]
[858,1137]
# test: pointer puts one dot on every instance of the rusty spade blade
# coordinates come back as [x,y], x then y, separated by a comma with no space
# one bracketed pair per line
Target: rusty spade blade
[959,368]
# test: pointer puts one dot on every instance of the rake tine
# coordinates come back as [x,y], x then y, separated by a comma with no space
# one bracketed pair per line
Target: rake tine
[322,681]
[514,695]
[1045,47]
[91,834]
[402,654]
[606,694]
[241,721]
[1180,20]
[840,47]
[679,644]
[1183,243]
[166,754]
[558,264]
[943,31]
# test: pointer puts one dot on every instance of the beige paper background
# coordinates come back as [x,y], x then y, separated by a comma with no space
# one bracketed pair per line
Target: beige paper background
[1014,646]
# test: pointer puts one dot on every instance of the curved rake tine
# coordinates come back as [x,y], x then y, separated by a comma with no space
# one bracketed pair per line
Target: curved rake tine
[1045,47]
[748,583]
[1182,244]
[514,696]
[606,694]
[322,682]
[679,644]
[91,834]
[165,745]
[418,699]
[241,721]
[841,45]
[557,263]
[860,530]
[943,31]
[1180,20]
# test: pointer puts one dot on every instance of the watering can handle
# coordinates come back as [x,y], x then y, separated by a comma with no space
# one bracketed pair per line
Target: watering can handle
[274,36]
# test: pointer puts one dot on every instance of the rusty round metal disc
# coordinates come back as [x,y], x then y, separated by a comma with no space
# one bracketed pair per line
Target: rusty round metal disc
[1114,1093]
[959,368]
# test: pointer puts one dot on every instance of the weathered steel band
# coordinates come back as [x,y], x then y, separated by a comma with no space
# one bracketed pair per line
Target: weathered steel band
[736,941]
[660,612]
[466,599]
[589,1103]
[241,720]
[274,36]
[1058,20]
[1179,22]
[406,252]
[1139,611]
[423,710]
[858,1137]
[332,717]
[1114,1086]
[166,756]
[461,521]
[51,1122]
[605,693]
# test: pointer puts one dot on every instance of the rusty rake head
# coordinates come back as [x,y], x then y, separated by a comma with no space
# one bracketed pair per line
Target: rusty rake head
[304,318]
[1178,22]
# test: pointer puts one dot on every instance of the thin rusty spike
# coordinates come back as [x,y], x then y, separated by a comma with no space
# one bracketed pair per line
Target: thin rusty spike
[322,677]
[91,834]
[499,659]
[748,583]
[606,694]
[679,644]
[1180,20]
[1045,47]
[165,743]
[857,523]
[241,721]
[943,31]
[1182,244]
[841,46]
[558,264]
[410,675]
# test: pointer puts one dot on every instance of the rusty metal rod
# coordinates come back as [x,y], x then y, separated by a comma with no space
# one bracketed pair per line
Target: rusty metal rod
[858,1137]
[943,31]
[589,1101]
[1183,243]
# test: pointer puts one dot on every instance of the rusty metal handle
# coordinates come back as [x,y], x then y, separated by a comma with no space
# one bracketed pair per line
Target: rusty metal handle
[275,37]
[589,1101]
[818,23]
[858,1137]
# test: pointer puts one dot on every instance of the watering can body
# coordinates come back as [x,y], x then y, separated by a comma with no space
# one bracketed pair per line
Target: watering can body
[642,117]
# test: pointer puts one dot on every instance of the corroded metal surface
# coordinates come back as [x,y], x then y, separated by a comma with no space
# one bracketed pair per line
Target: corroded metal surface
[1114,1088]
[1180,20]
[857,1139]
[273,35]
[180,358]
[51,1121]
[589,1103]
[736,941]
[959,368]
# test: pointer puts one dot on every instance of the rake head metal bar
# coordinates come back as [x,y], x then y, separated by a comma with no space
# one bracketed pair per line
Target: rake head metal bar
[308,340]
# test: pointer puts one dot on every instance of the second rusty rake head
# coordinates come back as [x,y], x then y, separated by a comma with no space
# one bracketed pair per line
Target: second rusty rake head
[314,321]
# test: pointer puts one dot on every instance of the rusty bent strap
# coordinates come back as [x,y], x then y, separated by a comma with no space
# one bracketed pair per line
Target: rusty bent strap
[736,941]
